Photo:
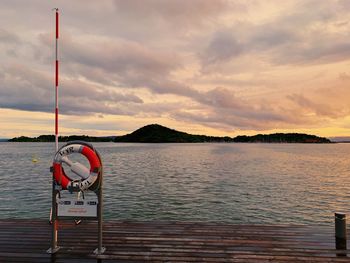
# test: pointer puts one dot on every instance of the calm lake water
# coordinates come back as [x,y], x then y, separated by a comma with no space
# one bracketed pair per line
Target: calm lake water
[237,183]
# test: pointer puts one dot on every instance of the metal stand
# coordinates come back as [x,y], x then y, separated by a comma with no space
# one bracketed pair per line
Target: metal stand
[56,216]
[54,222]
[100,249]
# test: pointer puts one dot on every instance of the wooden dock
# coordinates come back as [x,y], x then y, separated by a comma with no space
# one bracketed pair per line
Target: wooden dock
[27,241]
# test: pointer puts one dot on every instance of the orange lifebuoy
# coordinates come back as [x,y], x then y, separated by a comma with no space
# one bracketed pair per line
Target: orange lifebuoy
[89,176]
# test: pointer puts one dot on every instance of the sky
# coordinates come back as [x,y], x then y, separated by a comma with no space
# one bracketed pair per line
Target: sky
[201,66]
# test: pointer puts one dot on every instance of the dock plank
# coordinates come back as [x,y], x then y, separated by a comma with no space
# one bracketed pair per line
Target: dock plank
[24,240]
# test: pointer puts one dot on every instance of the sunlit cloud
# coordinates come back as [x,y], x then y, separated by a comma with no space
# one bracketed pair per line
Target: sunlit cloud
[217,67]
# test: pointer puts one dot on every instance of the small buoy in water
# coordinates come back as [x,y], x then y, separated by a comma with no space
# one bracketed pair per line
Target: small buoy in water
[34,159]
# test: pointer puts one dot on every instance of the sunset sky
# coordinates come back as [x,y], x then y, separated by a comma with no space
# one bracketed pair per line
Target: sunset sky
[201,66]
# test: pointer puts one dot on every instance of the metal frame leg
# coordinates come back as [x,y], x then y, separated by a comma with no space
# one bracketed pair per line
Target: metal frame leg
[54,227]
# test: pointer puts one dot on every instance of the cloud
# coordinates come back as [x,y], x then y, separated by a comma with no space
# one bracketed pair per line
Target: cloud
[120,57]
[8,37]
[123,63]
[223,47]
[220,107]
[297,37]
[173,12]
[26,89]
[319,109]
[232,120]
[223,64]
[221,98]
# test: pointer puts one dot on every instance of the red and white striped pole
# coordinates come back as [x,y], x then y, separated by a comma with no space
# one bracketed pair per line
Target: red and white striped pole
[53,213]
[56,84]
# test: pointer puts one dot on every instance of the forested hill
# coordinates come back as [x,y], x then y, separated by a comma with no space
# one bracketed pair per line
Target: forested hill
[155,133]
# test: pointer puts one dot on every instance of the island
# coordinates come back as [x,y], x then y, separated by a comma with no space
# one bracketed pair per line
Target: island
[155,133]
[51,138]
[282,138]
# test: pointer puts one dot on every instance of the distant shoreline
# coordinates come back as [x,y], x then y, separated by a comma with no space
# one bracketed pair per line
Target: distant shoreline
[155,133]
[182,142]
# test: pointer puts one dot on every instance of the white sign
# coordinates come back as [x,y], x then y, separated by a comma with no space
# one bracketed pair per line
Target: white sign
[77,207]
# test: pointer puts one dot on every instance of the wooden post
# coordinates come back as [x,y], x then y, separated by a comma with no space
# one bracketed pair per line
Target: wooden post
[340,231]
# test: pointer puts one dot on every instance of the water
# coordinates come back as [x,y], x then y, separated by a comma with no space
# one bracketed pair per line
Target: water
[236,183]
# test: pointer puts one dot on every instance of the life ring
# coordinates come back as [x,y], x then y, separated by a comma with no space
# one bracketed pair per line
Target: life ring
[89,176]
